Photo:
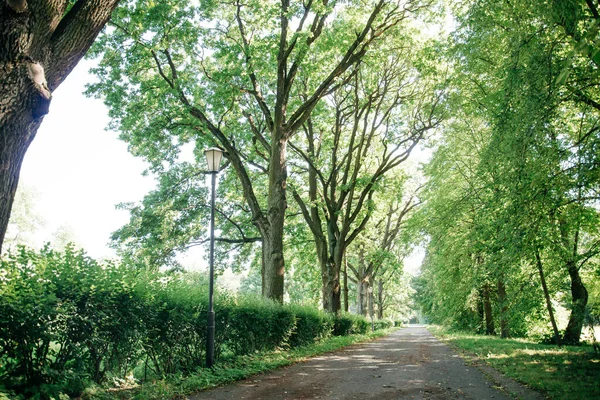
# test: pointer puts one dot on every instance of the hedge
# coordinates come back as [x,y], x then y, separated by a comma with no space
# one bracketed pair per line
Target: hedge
[67,320]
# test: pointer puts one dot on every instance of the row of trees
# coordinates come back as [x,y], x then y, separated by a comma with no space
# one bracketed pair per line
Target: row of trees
[512,199]
[320,101]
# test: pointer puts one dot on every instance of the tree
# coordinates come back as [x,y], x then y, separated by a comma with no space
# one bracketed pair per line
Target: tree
[230,74]
[525,78]
[367,128]
[41,42]
[377,262]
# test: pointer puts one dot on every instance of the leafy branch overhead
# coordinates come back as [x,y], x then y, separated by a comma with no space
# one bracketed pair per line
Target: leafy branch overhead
[246,76]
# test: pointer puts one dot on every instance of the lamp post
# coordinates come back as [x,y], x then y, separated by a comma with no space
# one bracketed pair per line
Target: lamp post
[213,159]
[370,290]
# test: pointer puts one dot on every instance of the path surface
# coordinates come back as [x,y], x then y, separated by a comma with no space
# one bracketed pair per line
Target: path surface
[408,364]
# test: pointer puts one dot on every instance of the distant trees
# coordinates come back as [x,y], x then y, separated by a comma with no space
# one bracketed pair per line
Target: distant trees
[514,186]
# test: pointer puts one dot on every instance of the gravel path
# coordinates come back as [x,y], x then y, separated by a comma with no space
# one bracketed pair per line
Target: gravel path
[408,364]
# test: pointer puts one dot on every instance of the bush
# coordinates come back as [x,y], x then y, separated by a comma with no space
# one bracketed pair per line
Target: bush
[348,324]
[311,326]
[382,324]
[173,313]
[254,324]
[64,320]
[67,320]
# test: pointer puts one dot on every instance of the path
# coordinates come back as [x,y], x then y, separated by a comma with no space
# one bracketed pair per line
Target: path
[408,364]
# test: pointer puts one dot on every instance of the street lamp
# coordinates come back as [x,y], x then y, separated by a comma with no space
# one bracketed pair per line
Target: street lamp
[213,159]
[370,290]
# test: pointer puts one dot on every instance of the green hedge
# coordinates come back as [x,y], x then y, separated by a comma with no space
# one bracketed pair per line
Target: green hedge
[67,321]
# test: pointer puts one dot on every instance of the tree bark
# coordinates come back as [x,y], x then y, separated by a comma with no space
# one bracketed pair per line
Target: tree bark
[540,267]
[40,44]
[487,310]
[345,289]
[579,296]
[380,299]
[503,304]
[273,261]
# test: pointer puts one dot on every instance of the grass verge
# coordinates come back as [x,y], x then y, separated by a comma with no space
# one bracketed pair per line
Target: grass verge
[569,372]
[178,387]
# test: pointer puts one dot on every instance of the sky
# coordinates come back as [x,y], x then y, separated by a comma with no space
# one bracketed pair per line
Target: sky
[80,171]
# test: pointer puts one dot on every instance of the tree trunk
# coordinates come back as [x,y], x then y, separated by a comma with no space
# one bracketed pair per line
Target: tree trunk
[371,297]
[487,310]
[273,261]
[345,285]
[361,290]
[380,299]
[480,313]
[502,302]
[547,297]
[579,298]
[331,287]
[40,44]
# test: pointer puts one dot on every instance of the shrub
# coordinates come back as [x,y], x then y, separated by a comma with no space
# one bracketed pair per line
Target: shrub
[67,320]
[173,313]
[311,326]
[348,324]
[255,324]
[382,324]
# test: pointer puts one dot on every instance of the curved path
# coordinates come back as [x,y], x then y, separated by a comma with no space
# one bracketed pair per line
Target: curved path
[408,364]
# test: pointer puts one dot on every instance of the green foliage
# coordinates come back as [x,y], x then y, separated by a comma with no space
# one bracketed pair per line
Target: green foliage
[64,319]
[311,326]
[348,324]
[512,192]
[67,321]
[253,324]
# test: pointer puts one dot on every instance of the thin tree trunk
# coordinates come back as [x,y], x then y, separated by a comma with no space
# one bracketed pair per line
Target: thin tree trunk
[480,311]
[345,284]
[547,297]
[487,310]
[579,296]
[380,299]
[502,302]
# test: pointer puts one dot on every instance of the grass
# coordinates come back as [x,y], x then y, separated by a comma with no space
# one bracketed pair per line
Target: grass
[569,372]
[226,371]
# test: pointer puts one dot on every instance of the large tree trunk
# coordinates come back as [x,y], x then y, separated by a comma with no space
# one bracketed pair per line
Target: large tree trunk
[330,274]
[273,261]
[579,298]
[487,310]
[332,294]
[40,43]
[547,296]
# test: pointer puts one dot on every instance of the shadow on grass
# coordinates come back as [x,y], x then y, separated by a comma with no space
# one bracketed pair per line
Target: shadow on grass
[570,372]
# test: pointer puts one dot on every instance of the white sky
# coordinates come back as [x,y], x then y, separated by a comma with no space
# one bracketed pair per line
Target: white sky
[79,170]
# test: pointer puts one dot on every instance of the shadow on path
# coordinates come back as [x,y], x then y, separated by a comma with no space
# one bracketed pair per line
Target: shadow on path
[408,364]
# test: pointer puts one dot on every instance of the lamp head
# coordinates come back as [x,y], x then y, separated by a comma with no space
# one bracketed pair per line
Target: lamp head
[213,158]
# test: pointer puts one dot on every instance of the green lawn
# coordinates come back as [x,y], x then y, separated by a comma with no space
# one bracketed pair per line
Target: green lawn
[570,372]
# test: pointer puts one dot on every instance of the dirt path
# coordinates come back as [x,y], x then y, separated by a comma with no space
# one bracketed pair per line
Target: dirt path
[409,364]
